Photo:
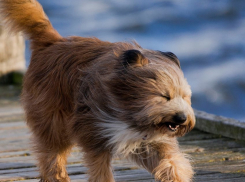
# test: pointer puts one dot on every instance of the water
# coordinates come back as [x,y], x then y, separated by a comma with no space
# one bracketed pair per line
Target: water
[207,36]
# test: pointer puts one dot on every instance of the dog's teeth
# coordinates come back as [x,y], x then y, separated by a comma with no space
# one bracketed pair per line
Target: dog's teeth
[173,128]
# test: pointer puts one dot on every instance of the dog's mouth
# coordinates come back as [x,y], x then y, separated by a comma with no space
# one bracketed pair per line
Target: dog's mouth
[162,127]
[171,126]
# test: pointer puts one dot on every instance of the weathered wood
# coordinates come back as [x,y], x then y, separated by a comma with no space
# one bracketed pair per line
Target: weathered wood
[215,158]
[220,125]
[13,154]
[218,177]
[19,145]
[221,167]
[10,111]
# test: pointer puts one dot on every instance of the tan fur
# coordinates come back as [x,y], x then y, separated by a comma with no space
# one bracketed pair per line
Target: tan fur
[165,161]
[108,98]
[28,16]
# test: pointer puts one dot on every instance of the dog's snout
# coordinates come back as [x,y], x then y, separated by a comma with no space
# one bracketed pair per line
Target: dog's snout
[179,118]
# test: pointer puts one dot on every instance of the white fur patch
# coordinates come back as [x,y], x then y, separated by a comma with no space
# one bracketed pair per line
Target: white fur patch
[124,139]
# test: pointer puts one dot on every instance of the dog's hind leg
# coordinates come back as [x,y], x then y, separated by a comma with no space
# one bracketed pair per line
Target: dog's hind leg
[52,165]
[51,160]
[99,166]
[51,144]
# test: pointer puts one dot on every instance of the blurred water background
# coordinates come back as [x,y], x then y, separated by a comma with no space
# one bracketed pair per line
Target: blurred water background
[207,36]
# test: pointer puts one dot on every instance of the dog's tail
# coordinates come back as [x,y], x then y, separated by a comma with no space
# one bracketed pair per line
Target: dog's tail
[28,17]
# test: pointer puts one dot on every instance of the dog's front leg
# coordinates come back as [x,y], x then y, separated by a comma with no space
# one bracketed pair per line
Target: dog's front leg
[173,166]
[165,161]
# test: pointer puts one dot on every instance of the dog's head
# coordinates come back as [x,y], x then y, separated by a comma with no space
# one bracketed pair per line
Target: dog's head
[150,93]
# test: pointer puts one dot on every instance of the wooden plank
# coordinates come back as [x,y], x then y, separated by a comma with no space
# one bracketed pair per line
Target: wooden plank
[31,172]
[10,111]
[203,136]
[19,176]
[13,125]
[128,175]
[223,167]
[214,157]
[121,176]
[218,177]
[14,145]
[18,170]
[12,118]
[214,144]
[14,134]
[220,125]
[137,175]
[29,180]
[15,154]
[15,165]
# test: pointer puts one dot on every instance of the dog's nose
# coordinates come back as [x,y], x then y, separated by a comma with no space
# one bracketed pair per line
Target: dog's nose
[179,118]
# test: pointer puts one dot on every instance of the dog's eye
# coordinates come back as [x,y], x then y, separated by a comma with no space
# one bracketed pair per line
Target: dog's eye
[166,97]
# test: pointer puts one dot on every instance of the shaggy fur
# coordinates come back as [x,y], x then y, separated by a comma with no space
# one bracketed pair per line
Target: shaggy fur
[108,98]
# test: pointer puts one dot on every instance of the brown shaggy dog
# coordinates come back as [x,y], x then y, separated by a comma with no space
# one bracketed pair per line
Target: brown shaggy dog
[108,98]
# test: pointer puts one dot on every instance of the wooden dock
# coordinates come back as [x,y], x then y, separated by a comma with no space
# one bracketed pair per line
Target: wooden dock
[215,158]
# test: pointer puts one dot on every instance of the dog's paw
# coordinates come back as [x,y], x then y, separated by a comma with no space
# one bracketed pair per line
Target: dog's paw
[67,179]
[174,169]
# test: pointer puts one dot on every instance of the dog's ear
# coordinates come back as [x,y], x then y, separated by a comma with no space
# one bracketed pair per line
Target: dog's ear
[134,58]
[171,56]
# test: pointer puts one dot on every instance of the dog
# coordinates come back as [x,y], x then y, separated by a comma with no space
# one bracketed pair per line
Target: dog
[110,99]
